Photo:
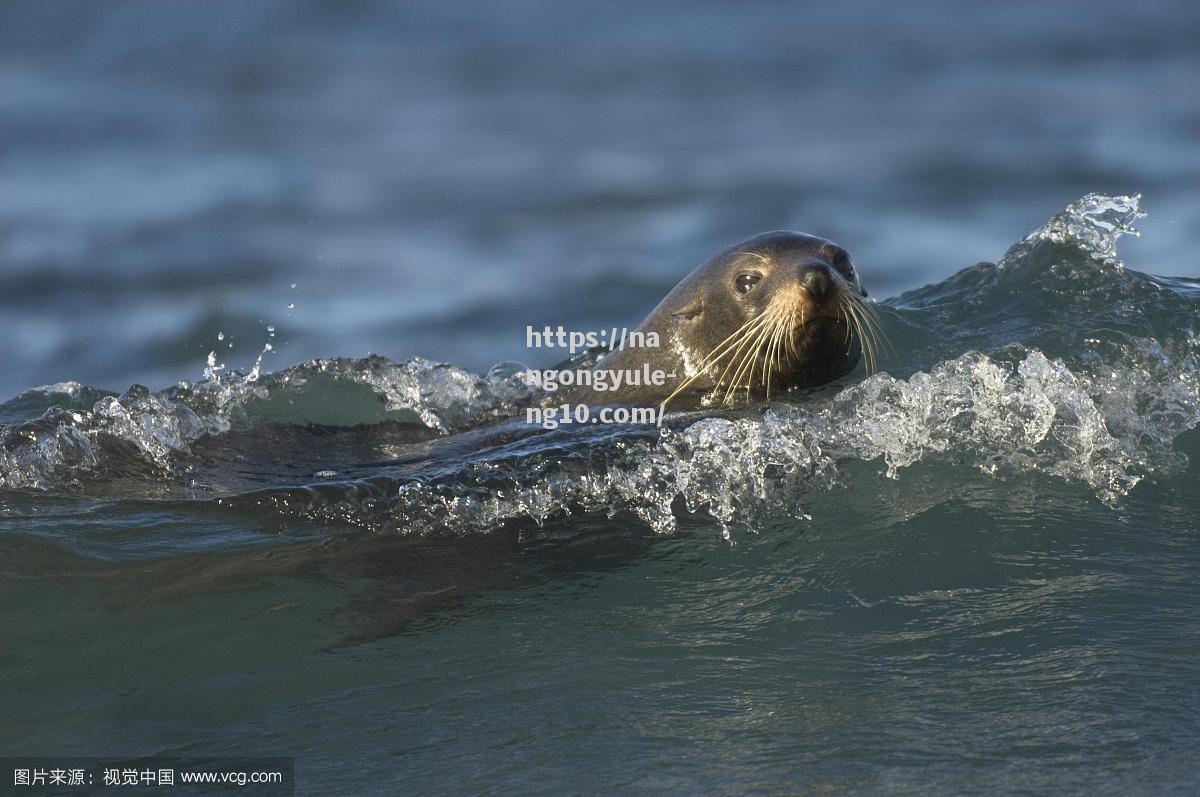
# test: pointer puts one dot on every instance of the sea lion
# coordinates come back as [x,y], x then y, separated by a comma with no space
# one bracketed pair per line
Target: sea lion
[777,311]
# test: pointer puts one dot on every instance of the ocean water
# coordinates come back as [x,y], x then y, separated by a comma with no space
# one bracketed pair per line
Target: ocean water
[432,177]
[972,571]
[261,489]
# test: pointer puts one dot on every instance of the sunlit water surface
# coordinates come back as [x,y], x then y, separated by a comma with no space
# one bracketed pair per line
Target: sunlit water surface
[974,571]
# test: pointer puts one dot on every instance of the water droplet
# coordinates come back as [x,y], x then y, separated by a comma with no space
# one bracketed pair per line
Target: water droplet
[291,307]
[507,370]
[220,336]
[212,368]
[293,285]
[271,329]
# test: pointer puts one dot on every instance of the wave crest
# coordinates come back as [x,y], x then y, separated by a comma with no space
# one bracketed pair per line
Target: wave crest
[1043,364]
[53,442]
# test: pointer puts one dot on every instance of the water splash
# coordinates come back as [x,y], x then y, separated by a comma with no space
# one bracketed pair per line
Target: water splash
[1085,375]
[1094,223]
[1104,414]
[212,369]
[51,443]
[256,369]
[1016,413]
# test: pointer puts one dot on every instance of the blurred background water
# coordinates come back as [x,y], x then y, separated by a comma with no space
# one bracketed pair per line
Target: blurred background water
[431,176]
[973,573]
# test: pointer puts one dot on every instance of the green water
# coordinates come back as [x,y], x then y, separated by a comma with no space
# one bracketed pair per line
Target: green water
[975,572]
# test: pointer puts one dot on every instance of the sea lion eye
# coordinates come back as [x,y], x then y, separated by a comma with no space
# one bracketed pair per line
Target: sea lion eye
[841,262]
[745,282]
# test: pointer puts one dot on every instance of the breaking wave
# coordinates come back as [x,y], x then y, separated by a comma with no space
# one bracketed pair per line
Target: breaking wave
[1056,361]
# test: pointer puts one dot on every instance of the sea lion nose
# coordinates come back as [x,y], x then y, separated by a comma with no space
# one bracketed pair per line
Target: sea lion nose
[817,280]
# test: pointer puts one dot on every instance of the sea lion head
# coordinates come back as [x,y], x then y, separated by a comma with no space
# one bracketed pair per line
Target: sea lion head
[776,311]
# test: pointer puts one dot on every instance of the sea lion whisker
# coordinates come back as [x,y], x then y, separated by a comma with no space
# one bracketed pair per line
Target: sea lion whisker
[745,358]
[718,353]
[762,320]
[782,333]
[768,361]
[781,329]
[863,338]
[785,345]
[768,352]
[867,310]
[747,363]
[722,349]
[845,315]
[797,318]
[740,360]
[867,338]
[879,340]
[872,316]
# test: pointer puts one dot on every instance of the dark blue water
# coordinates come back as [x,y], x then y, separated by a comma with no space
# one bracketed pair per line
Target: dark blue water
[974,571]
[431,179]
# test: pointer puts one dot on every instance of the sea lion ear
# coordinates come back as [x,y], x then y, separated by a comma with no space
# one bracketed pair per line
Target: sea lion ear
[692,310]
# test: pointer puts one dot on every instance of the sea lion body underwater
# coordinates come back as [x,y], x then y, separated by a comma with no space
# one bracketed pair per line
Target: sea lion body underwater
[777,311]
